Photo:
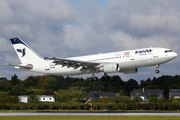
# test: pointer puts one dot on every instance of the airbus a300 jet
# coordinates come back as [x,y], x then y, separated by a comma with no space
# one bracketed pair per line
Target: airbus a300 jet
[127,62]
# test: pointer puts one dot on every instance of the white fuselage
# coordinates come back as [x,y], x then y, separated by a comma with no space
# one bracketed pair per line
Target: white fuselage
[127,60]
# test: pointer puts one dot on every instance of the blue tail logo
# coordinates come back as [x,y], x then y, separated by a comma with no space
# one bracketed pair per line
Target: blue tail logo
[22,51]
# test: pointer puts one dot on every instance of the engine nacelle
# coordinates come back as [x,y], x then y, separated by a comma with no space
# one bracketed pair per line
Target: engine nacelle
[129,71]
[109,68]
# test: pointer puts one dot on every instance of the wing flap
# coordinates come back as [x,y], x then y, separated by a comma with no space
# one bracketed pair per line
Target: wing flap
[75,63]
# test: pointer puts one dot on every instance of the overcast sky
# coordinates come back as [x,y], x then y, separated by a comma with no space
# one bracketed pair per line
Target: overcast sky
[69,28]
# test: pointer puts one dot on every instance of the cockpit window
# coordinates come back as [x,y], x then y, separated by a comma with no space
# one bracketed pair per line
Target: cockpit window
[168,51]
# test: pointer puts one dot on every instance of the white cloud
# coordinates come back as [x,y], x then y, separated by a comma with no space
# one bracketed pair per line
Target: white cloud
[75,37]
[5,12]
[165,22]
[71,28]
[123,40]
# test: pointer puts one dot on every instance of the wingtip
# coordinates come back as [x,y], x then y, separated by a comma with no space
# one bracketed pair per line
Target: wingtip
[8,64]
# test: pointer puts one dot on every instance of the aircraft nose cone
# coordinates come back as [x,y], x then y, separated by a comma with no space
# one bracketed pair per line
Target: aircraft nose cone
[171,55]
[175,55]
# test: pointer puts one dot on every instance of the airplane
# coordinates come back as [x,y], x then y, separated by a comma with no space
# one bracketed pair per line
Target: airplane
[127,62]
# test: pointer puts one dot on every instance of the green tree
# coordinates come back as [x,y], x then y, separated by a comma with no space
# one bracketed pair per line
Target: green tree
[7,86]
[153,98]
[52,84]
[3,83]
[114,85]
[31,81]
[44,85]
[12,99]
[3,96]
[18,90]
[15,80]
[74,88]
[131,84]
[123,99]
[48,92]
[95,86]
[33,99]
[78,83]
[63,96]
[162,100]
[82,89]
[70,96]
[121,92]
[38,91]
[137,99]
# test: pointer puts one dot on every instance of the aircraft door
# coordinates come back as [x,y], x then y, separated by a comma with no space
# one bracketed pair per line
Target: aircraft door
[155,53]
[132,56]
[47,66]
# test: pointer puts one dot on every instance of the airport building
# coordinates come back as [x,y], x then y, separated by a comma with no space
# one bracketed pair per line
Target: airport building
[174,93]
[42,98]
[144,93]
[101,95]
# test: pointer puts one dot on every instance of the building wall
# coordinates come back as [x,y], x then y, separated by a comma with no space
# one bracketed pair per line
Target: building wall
[174,93]
[23,99]
[101,95]
[46,99]
[42,98]
[144,93]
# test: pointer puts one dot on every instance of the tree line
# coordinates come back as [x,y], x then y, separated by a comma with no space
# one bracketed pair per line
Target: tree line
[46,85]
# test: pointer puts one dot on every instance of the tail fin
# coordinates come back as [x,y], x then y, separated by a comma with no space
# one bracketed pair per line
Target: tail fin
[24,52]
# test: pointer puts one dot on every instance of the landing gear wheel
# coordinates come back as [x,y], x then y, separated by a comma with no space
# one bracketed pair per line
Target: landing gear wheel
[95,78]
[90,79]
[157,71]
[107,78]
[102,79]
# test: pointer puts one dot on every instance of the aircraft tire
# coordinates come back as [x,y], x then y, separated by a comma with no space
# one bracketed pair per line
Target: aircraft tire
[90,79]
[157,71]
[107,78]
[102,79]
[95,78]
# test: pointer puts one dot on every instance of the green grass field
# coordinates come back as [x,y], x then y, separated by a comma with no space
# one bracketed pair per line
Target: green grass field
[90,118]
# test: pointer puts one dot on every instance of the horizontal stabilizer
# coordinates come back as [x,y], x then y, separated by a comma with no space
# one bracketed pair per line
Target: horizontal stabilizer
[21,66]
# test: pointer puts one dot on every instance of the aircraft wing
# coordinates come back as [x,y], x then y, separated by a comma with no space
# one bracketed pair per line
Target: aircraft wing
[21,66]
[76,63]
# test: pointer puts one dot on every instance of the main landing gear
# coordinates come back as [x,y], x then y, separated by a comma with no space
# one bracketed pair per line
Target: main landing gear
[104,78]
[157,71]
[93,78]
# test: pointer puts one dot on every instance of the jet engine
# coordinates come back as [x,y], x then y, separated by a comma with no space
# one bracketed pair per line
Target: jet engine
[109,68]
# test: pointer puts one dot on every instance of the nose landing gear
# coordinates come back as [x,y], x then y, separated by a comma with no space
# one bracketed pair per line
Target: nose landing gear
[157,71]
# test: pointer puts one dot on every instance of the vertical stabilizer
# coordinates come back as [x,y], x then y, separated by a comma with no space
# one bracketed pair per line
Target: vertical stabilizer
[24,52]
